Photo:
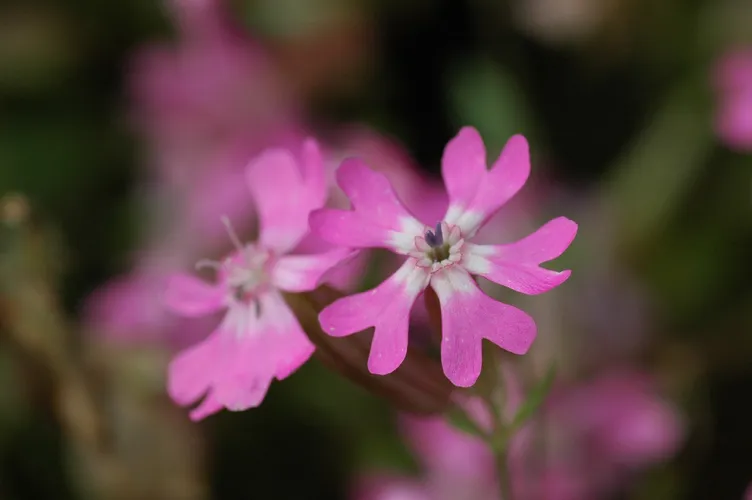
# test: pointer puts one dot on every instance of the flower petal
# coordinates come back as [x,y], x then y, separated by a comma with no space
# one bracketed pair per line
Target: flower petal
[371,194]
[507,176]
[242,384]
[272,345]
[284,198]
[191,372]
[208,406]
[285,340]
[242,369]
[387,308]
[348,229]
[378,218]
[238,362]
[223,365]
[189,296]
[517,265]
[301,273]
[313,172]
[468,316]
[463,166]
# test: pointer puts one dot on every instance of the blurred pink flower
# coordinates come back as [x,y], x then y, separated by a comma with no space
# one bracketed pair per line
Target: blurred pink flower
[204,105]
[590,437]
[450,456]
[259,338]
[454,465]
[585,442]
[218,188]
[733,84]
[130,308]
[624,420]
[207,102]
[441,257]
[212,83]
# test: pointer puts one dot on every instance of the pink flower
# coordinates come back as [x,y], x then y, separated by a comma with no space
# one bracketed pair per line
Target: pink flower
[214,82]
[621,418]
[454,465]
[259,338]
[210,100]
[733,82]
[451,458]
[590,437]
[444,258]
[587,440]
[130,308]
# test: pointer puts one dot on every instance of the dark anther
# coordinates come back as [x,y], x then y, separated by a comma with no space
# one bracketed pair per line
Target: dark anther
[435,239]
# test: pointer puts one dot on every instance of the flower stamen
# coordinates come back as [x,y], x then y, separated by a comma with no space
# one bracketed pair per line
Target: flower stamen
[435,239]
[438,247]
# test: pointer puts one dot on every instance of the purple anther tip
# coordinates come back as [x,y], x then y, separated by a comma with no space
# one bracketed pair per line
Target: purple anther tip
[435,239]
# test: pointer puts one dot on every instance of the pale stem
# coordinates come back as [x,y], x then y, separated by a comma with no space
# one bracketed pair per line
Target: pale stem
[233,235]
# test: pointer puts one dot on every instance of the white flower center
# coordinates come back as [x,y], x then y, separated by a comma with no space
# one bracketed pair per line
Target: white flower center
[439,247]
[246,271]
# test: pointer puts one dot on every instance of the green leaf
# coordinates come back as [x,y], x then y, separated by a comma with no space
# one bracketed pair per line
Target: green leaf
[535,398]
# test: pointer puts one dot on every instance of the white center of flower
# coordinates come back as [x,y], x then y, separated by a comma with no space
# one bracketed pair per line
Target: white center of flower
[245,271]
[439,247]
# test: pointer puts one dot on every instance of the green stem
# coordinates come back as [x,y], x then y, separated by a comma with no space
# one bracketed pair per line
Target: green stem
[502,472]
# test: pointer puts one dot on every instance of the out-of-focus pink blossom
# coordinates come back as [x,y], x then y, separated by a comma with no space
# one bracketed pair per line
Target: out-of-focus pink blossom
[130,308]
[733,84]
[587,440]
[213,83]
[591,437]
[443,257]
[444,450]
[454,465]
[259,338]
[204,104]
[623,419]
